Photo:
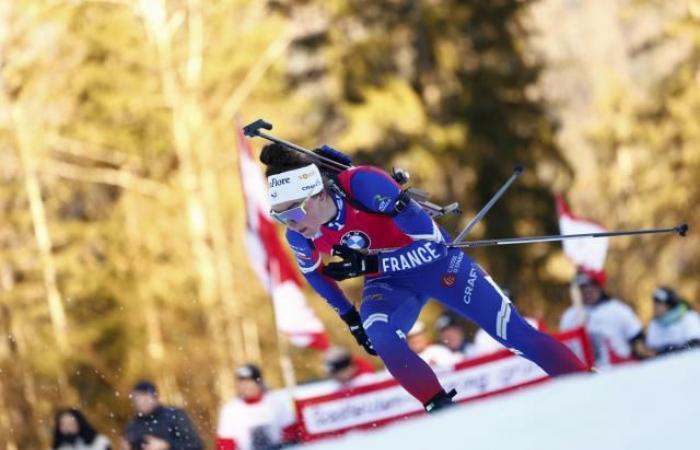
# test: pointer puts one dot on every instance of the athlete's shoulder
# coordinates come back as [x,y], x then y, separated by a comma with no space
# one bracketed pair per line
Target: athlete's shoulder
[298,242]
[368,174]
[371,186]
[294,237]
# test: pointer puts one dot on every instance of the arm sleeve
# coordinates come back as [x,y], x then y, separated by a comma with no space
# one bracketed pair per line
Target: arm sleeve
[378,192]
[184,435]
[309,261]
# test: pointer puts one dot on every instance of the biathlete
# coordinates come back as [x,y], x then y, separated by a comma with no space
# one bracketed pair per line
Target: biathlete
[363,208]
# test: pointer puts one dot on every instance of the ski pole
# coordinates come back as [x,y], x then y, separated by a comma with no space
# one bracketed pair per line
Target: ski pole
[517,171]
[681,230]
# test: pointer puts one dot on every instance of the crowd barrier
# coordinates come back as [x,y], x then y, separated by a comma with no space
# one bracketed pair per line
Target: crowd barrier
[379,403]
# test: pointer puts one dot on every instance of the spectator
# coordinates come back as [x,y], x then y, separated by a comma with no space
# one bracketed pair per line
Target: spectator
[256,419]
[72,431]
[612,326]
[434,354]
[484,344]
[452,335]
[675,325]
[158,427]
[346,369]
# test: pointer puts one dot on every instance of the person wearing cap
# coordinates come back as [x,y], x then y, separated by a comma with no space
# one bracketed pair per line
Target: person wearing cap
[362,216]
[345,368]
[675,326]
[256,419]
[158,427]
[615,331]
[434,354]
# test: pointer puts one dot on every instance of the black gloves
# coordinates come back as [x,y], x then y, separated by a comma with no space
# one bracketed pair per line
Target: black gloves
[354,264]
[352,318]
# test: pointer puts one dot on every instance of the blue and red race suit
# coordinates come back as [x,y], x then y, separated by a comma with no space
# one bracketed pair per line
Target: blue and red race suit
[420,267]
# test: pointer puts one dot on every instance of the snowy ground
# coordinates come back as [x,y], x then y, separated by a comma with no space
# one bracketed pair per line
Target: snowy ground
[650,406]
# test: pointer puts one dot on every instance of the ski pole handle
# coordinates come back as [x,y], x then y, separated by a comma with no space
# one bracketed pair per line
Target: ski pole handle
[253,129]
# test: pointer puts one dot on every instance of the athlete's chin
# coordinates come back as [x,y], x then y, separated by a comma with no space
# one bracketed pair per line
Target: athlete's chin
[308,232]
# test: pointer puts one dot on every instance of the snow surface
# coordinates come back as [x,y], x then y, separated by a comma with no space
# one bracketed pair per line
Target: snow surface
[650,406]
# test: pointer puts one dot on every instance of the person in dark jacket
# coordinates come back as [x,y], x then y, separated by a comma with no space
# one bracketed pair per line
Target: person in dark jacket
[158,427]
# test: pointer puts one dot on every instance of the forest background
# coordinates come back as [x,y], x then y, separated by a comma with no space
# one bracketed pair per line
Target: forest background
[121,237]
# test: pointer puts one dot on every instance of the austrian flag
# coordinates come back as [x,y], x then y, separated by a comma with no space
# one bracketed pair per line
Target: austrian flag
[588,253]
[272,265]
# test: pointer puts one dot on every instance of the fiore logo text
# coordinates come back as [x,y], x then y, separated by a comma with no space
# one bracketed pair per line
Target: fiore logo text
[278,182]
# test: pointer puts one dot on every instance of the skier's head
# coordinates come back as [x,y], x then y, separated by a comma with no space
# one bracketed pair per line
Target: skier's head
[249,382]
[591,284]
[144,396]
[339,364]
[71,424]
[664,298]
[296,192]
[451,332]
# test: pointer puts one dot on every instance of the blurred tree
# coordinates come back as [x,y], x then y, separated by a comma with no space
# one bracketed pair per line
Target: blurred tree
[444,89]
[648,155]
[133,164]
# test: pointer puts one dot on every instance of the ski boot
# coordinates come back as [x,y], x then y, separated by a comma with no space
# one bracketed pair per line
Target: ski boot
[441,400]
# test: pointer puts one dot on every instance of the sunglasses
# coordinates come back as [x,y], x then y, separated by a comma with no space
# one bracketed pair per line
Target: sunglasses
[295,214]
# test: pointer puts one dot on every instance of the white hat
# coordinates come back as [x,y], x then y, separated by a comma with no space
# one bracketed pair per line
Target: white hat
[295,184]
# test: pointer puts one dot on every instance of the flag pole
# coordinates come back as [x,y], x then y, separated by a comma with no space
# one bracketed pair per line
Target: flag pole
[288,375]
[285,360]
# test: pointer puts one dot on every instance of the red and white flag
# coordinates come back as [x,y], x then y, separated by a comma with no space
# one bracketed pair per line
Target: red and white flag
[587,253]
[270,261]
